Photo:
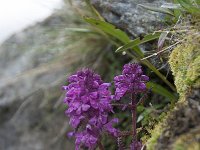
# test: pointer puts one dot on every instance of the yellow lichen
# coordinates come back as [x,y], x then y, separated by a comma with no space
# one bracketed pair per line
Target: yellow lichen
[155,135]
[159,128]
[185,64]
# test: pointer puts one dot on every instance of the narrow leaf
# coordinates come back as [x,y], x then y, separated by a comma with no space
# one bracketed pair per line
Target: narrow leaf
[171,6]
[156,9]
[156,88]
[79,30]
[137,42]
[189,6]
[95,12]
[150,37]
[113,31]
[131,44]
[197,2]
[109,29]
[161,40]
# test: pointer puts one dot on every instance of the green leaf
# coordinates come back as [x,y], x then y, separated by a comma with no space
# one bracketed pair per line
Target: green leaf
[93,10]
[109,29]
[150,37]
[137,42]
[156,88]
[84,30]
[113,31]
[140,117]
[131,44]
[156,9]
[189,6]
[197,2]
[171,6]
[162,39]
[160,75]
[177,13]
[122,36]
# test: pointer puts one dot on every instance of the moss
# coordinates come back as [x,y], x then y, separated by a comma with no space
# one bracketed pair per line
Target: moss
[188,141]
[155,134]
[185,65]
[180,129]
[160,127]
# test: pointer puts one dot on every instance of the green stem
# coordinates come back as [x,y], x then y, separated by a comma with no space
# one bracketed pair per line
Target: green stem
[134,115]
[160,75]
[100,146]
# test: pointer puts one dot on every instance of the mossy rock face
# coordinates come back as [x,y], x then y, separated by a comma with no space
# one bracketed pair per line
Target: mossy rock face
[180,130]
[188,141]
[185,65]
[183,120]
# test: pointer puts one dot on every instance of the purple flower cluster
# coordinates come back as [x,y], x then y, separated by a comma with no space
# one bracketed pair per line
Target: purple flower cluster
[89,102]
[132,81]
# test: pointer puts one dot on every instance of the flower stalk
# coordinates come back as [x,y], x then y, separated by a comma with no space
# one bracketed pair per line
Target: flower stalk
[100,145]
[134,115]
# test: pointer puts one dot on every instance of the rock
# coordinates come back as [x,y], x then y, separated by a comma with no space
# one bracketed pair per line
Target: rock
[181,127]
[135,21]
[128,16]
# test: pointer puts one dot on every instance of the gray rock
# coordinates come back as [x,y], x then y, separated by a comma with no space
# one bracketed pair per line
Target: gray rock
[127,15]
[135,21]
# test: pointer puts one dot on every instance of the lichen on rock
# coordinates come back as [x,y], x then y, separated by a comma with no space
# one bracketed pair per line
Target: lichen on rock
[185,65]
[188,141]
[180,130]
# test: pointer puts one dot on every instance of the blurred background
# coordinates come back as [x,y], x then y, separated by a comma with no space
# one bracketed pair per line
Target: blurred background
[34,62]
[17,15]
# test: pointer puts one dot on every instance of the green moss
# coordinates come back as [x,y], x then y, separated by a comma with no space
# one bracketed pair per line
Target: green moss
[161,126]
[155,134]
[185,65]
[188,141]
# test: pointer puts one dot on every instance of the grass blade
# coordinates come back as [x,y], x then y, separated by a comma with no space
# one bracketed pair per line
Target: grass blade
[109,29]
[123,37]
[137,42]
[156,9]
[189,6]
[156,88]
[82,30]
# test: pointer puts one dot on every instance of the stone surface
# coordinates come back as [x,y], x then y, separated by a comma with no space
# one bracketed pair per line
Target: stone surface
[180,129]
[135,21]
[127,15]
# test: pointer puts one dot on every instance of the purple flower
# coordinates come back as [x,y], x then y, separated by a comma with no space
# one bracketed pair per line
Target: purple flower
[109,128]
[132,80]
[89,140]
[89,102]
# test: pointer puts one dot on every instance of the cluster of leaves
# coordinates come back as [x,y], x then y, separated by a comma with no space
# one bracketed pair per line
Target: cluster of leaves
[177,8]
